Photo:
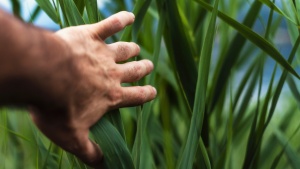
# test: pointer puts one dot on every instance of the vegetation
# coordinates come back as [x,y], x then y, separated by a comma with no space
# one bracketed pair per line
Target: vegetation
[227,81]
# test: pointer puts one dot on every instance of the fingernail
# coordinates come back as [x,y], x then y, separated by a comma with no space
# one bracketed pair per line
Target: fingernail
[155,91]
[151,64]
[132,15]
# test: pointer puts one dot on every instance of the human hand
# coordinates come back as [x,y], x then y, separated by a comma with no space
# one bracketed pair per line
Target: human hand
[88,85]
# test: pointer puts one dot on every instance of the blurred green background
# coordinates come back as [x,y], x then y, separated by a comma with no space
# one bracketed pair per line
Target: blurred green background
[228,88]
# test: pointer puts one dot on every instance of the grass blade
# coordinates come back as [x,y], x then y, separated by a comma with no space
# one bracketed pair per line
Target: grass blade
[143,121]
[140,10]
[254,38]
[228,61]
[72,13]
[92,10]
[188,155]
[281,83]
[80,5]
[291,153]
[278,10]
[181,54]
[293,88]
[49,9]
[115,151]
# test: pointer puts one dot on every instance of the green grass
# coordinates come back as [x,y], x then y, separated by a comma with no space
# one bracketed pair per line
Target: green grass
[228,89]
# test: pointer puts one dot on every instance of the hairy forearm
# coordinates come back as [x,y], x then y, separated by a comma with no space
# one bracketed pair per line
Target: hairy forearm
[28,57]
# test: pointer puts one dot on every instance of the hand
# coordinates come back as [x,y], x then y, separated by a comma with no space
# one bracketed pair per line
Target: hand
[88,85]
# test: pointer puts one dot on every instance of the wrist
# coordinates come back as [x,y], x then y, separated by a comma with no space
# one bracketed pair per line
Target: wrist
[32,64]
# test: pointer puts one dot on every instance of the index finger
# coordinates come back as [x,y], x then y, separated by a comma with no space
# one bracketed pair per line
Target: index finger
[112,24]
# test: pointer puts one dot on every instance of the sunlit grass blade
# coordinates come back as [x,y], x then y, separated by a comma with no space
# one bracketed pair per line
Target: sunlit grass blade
[49,9]
[254,38]
[140,10]
[256,134]
[245,101]
[226,63]
[72,13]
[278,10]
[34,14]
[92,10]
[188,155]
[293,87]
[281,153]
[291,153]
[243,83]
[281,83]
[205,154]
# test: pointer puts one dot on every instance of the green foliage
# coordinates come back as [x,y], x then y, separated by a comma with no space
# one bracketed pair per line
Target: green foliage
[222,100]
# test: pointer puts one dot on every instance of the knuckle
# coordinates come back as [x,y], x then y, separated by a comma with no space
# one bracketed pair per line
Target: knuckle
[117,23]
[113,74]
[115,97]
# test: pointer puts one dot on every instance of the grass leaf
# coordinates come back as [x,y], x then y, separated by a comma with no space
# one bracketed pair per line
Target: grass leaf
[92,10]
[72,13]
[188,156]
[254,38]
[113,146]
[49,9]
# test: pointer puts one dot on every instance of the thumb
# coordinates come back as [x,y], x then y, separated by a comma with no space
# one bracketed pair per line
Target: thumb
[88,152]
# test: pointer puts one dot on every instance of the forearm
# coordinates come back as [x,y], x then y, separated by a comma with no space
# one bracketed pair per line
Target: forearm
[28,56]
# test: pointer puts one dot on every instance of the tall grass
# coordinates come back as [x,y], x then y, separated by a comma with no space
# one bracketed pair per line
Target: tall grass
[220,70]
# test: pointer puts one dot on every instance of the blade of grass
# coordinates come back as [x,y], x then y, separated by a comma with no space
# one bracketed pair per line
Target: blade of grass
[278,10]
[114,117]
[255,137]
[281,82]
[205,154]
[284,125]
[140,9]
[144,117]
[188,155]
[80,4]
[181,54]
[49,9]
[293,87]
[16,8]
[291,153]
[34,14]
[243,83]
[254,38]
[92,10]
[113,146]
[72,13]
[227,61]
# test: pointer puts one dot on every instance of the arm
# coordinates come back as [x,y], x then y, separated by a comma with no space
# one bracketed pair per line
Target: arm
[70,78]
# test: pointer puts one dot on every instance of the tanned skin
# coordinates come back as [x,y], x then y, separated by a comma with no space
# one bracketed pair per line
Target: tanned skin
[69,79]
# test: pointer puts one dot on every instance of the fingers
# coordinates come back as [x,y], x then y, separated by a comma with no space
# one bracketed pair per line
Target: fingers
[124,50]
[113,24]
[136,95]
[134,71]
